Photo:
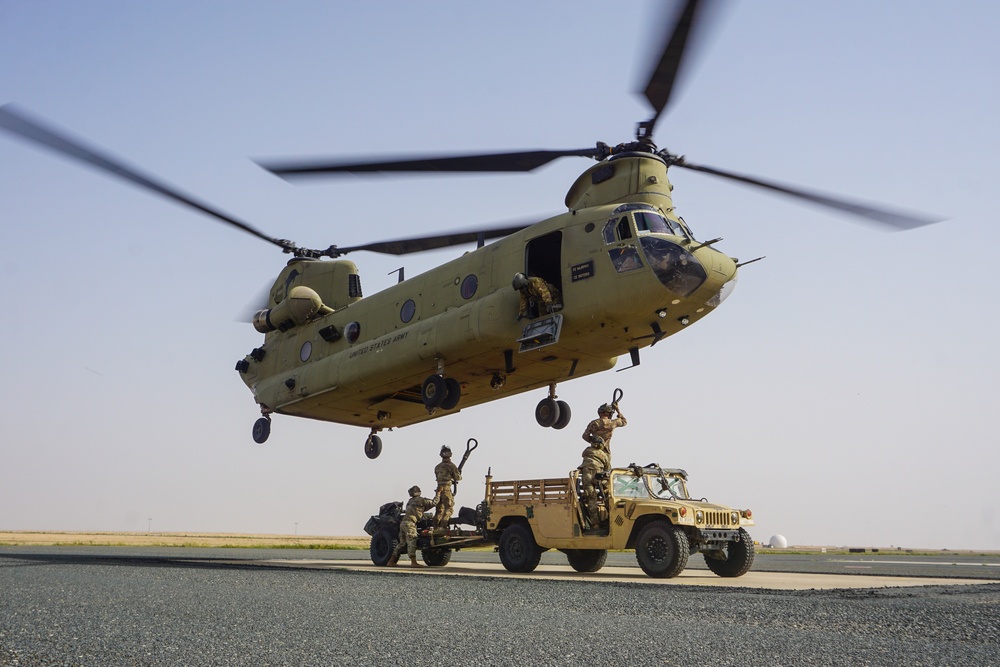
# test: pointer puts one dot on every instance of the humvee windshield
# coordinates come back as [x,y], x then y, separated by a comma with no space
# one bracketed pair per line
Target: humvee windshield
[627,485]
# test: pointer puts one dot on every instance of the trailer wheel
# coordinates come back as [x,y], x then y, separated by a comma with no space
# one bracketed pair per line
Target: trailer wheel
[518,550]
[586,560]
[436,557]
[382,546]
[662,549]
[739,557]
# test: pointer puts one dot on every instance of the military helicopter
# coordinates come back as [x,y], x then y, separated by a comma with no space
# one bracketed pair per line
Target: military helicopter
[621,271]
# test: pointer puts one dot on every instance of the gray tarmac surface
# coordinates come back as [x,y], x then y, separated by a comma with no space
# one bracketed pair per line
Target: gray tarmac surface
[140,606]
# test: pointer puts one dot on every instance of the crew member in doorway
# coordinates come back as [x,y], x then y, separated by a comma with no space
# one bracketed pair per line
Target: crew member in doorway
[537,296]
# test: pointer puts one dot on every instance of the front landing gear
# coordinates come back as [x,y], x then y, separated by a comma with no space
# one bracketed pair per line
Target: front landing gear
[262,429]
[551,413]
[373,445]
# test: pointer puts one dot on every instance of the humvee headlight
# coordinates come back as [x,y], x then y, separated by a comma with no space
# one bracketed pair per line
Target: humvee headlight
[699,516]
[748,514]
[735,518]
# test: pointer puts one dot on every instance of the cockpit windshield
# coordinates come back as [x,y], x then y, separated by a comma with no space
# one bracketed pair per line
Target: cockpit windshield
[651,485]
[647,221]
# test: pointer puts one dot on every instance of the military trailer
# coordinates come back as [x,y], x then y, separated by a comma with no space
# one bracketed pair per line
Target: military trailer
[643,508]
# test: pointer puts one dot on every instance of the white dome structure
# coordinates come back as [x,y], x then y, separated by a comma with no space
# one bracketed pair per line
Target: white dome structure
[778,542]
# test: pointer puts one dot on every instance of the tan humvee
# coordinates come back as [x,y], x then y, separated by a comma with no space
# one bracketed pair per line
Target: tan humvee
[644,508]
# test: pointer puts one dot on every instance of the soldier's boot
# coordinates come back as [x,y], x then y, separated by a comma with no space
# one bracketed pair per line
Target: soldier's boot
[414,563]
[394,558]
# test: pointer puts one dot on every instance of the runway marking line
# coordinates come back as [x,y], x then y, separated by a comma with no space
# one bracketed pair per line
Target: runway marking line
[633,575]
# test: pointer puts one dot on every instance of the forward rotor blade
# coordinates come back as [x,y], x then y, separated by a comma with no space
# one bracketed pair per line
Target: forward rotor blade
[419,244]
[896,219]
[518,161]
[688,29]
[19,123]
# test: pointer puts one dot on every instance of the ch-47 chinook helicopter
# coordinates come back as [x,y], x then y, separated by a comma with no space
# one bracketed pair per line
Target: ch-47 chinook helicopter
[626,270]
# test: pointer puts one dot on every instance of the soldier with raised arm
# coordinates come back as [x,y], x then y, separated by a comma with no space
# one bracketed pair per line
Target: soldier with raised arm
[447,474]
[604,426]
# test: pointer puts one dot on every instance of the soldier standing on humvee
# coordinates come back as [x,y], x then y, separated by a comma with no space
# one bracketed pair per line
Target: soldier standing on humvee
[415,508]
[446,473]
[604,426]
[595,460]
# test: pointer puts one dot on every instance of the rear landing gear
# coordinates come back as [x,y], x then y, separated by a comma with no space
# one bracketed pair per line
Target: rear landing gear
[551,413]
[373,445]
[439,391]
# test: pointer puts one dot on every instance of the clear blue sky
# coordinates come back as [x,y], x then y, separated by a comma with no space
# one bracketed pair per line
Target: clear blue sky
[847,392]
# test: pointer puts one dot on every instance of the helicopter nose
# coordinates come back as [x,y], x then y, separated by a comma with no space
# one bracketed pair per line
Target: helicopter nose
[722,278]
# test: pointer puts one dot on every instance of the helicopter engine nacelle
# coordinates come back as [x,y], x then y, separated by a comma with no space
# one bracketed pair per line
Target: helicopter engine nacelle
[302,305]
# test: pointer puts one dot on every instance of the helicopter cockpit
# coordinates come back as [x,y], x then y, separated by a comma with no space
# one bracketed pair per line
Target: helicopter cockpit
[676,267]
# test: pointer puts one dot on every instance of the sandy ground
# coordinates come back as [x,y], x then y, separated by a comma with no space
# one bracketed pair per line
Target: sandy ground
[9,538]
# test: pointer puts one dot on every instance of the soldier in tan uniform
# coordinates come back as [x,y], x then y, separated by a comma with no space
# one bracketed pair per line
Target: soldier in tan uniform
[595,460]
[447,474]
[532,289]
[415,508]
[604,426]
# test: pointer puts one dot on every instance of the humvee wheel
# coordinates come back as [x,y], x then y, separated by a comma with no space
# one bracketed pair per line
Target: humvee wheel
[564,415]
[383,543]
[662,550]
[436,558]
[373,446]
[739,557]
[518,550]
[547,412]
[586,560]
[261,430]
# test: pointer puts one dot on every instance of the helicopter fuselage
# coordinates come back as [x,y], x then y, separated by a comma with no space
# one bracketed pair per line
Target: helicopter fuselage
[628,270]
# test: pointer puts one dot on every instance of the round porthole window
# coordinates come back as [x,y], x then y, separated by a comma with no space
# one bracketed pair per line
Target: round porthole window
[469,286]
[408,310]
[352,331]
[305,351]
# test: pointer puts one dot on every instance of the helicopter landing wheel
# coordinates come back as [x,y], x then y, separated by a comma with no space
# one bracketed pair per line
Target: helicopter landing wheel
[547,412]
[261,430]
[373,446]
[452,393]
[564,415]
[434,391]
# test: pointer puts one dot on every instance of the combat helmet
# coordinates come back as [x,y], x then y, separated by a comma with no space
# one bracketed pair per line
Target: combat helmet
[605,408]
[520,281]
[446,452]
[414,491]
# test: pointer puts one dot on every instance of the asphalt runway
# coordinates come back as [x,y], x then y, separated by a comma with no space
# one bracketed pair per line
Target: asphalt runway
[175,606]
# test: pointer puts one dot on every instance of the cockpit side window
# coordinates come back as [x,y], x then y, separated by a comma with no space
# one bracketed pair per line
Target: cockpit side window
[617,229]
[609,231]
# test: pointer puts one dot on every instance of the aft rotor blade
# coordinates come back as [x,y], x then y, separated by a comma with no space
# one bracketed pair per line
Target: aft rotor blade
[896,219]
[19,123]
[518,161]
[419,244]
[688,29]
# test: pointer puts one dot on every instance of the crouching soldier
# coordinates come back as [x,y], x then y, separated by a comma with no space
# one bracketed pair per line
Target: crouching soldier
[415,508]
[595,460]
[447,474]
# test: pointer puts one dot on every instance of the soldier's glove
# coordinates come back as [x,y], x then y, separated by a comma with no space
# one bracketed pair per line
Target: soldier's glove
[601,476]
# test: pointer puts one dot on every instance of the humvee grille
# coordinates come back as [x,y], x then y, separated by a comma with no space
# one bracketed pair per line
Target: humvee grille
[717,518]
